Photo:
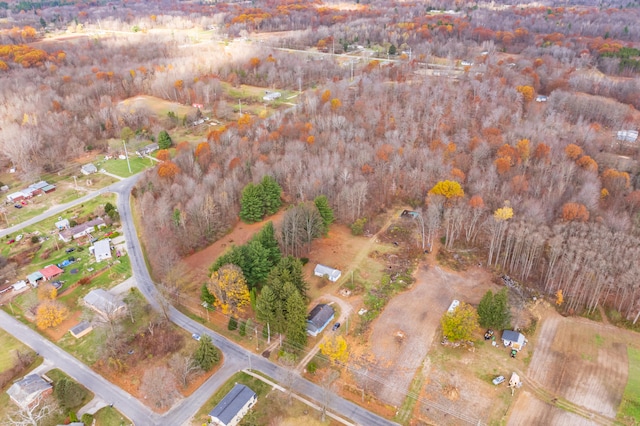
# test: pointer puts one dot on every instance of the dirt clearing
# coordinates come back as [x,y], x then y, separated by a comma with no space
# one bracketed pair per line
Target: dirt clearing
[530,411]
[416,313]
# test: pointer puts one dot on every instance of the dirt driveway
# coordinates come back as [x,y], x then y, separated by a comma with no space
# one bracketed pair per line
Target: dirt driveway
[416,313]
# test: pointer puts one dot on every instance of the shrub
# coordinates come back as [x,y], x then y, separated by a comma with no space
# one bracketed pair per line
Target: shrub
[243,329]
[357,227]
[312,367]
[233,324]
[35,239]
[87,419]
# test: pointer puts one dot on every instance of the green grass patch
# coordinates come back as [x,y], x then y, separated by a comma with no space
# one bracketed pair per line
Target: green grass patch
[403,416]
[109,416]
[119,167]
[630,406]
[85,395]
[9,346]
[599,340]
[256,385]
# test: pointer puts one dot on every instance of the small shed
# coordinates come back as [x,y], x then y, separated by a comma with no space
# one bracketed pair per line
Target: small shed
[319,317]
[88,169]
[514,339]
[20,286]
[234,406]
[34,278]
[629,136]
[453,306]
[332,274]
[81,329]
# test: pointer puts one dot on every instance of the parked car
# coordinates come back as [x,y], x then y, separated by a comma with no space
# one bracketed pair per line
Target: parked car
[17,206]
[11,241]
[498,380]
[70,249]
[335,326]
[71,259]
[19,237]
[56,284]
[196,336]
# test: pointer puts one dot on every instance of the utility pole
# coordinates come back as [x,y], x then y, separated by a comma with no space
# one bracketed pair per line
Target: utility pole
[419,216]
[126,154]
[240,106]
[75,181]
[268,334]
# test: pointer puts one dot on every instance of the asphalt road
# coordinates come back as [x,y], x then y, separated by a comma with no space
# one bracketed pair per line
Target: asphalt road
[236,357]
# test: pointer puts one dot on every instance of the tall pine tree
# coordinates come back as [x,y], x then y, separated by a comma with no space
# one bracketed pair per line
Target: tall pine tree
[296,324]
[322,203]
[271,192]
[252,204]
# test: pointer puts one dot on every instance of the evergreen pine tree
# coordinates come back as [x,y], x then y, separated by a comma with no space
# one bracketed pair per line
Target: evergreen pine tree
[164,140]
[207,355]
[252,204]
[501,309]
[206,296]
[322,203]
[271,193]
[485,310]
[258,265]
[296,324]
[267,237]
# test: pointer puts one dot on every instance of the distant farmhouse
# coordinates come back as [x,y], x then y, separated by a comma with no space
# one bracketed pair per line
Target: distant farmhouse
[101,250]
[319,318]
[31,191]
[627,136]
[148,149]
[81,230]
[88,169]
[26,392]
[332,274]
[271,96]
[103,302]
[233,406]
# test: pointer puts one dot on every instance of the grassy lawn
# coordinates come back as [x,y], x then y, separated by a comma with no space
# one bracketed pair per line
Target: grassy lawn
[109,416]
[119,167]
[56,375]
[630,406]
[9,345]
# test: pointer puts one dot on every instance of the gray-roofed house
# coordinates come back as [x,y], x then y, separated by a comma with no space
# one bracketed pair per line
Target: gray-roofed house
[82,329]
[34,277]
[514,339]
[81,230]
[233,406]
[628,136]
[318,318]
[27,391]
[88,169]
[62,224]
[332,274]
[103,302]
[101,250]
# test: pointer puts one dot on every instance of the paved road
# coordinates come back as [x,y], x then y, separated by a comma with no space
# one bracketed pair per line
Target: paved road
[236,357]
[62,207]
[233,353]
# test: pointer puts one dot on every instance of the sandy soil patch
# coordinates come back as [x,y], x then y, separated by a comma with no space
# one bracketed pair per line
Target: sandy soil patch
[157,105]
[582,361]
[417,314]
[529,411]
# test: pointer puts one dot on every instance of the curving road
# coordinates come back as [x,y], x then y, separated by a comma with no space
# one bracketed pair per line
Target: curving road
[236,357]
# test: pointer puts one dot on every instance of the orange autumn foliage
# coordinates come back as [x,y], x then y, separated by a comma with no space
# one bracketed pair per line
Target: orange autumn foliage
[542,151]
[573,151]
[458,174]
[168,169]
[476,202]
[575,212]
[587,163]
[162,155]
[503,164]
[202,148]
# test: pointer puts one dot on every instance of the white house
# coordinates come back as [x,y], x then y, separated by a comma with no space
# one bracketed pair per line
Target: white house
[62,224]
[101,250]
[514,339]
[233,406]
[332,274]
[629,136]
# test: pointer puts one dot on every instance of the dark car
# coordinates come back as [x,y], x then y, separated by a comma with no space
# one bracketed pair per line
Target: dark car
[335,326]
[71,259]
[17,206]
[70,249]
[57,284]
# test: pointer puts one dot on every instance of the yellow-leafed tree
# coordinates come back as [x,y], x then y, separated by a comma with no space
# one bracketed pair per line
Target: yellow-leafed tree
[50,314]
[448,189]
[229,287]
[460,324]
[559,297]
[335,348]
[503,213]
[527,92]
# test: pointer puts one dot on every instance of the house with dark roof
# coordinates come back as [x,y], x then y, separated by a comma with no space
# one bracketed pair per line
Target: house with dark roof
[332,274]
[81,230]
[26,392]
[83,328]
[319,317]
[233,406]
[514,339]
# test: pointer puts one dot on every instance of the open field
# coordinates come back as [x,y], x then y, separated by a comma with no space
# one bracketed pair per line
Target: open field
[582,361]
[630,407]
[9,346]
[120,168]
[109,416]
[530,411]
[158,106]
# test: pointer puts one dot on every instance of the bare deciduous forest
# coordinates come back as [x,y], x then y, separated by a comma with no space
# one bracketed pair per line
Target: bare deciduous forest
[520,104]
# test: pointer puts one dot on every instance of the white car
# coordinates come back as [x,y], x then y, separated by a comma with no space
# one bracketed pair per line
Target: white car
[498,380]
[19,237]
[197,337]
